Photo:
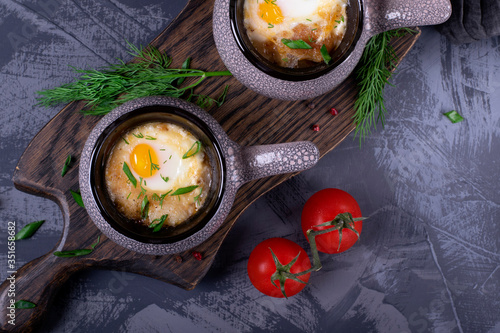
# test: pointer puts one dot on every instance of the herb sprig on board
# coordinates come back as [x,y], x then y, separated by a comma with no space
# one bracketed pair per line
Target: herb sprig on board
[113,85]
[377,63]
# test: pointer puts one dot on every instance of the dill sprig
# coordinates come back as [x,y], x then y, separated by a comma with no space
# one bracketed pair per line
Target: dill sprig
[149,75]
[377,63]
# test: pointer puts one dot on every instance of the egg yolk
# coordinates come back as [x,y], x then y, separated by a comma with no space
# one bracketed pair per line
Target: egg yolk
[270,12]
[144,161]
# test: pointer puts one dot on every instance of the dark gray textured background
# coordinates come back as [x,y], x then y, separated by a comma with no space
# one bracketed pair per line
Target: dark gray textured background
[429,256]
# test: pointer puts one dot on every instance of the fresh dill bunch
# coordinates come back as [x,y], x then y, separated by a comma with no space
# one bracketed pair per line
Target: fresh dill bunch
[377,63]
[149,75]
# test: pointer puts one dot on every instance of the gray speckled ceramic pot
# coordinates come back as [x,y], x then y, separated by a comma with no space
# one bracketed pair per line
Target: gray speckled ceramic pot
[365,18]
[232,166]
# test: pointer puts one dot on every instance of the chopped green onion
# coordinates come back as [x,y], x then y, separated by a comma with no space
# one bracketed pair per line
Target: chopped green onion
[296,44]
[325,54]
[28,230]
[184,190]
[22,304]
[162,197]
[79,252]
[129,174]
[145,207]
[197,198]
[454,116]
[159,223]
[189,153]
[66,166]
[95,244]
[78,198]
[72,253]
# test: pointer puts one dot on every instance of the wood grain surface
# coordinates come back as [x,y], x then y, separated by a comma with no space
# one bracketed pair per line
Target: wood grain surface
[248,118]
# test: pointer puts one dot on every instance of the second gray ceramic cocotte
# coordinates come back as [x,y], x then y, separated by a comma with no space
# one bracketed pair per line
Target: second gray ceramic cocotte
[365,18]
[233,166]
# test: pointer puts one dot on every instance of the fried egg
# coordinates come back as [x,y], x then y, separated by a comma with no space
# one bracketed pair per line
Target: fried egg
[316,22]
[158,157]
[161,158]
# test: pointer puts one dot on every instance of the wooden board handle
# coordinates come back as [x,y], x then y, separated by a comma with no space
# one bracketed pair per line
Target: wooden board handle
[37,282]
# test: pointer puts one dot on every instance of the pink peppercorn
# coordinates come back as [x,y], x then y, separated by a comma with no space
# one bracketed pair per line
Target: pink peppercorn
[197,255]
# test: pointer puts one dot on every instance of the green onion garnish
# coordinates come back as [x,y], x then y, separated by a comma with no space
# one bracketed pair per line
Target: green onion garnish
[162,197]
[22,304]
[78,198]
[28,230]
[66,166]
[79,252]
[184,190]
[189,153]
[296,44]
[129,174]
[325,54]
[454,116]
[145,207]
[159,223]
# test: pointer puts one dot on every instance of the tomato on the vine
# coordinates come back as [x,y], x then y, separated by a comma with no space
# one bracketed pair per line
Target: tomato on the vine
[261,266]
[324,206]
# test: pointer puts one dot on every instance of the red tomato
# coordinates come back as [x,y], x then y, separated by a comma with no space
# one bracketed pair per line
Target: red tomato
[324,206]
[261,266]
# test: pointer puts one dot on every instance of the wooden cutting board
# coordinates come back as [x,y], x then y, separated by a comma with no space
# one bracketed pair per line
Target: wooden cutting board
[248,118]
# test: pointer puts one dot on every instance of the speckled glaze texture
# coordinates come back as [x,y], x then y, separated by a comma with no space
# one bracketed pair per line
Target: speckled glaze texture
[378,16]
[268,160]
[387,15]
[242,164]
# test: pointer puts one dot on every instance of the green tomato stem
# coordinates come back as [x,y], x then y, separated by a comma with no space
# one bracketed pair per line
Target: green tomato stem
[340,222]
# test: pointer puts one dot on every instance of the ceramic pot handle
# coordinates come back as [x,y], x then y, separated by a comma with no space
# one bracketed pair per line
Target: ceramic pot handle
[269,160]
[383,15]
